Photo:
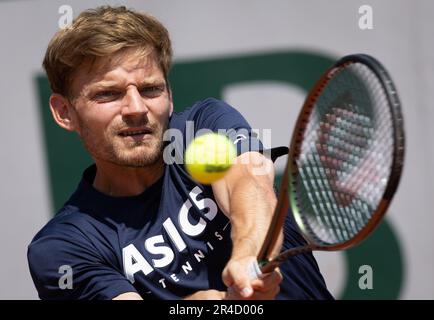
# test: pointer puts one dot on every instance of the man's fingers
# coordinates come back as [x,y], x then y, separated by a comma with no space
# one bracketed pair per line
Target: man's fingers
[267,281]
[237,277]
[270,294]
[242,286]
[266,295]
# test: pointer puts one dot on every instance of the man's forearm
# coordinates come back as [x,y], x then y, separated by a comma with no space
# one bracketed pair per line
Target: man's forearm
[252,205]
[249,200]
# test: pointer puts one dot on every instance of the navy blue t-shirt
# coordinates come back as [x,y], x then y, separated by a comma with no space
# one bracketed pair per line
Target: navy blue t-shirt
[166,243]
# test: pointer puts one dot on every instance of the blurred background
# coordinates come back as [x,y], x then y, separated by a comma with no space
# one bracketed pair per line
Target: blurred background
[261,57]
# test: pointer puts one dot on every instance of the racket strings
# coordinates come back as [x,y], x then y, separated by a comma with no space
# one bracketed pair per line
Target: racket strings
[375,166]
[333,156]
[345,156]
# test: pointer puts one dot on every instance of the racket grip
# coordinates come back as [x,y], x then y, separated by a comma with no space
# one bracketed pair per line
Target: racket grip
[270,266]
[276,261]
[254,271]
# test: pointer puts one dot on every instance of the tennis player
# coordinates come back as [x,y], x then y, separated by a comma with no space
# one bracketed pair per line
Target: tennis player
[137,226]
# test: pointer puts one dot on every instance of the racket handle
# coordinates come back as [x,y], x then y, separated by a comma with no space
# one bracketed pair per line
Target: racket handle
[254,270]
[270,266]
[267,266]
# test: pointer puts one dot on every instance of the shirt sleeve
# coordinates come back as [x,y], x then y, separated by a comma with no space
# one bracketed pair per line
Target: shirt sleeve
[64,265]
[218,116]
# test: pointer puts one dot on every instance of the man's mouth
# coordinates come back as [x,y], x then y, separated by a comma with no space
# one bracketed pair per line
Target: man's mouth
[135,132]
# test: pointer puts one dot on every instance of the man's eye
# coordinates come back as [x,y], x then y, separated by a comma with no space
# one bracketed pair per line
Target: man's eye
[109,94]
[152,92]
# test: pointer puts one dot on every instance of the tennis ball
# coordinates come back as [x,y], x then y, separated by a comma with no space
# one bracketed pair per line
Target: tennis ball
[209,156]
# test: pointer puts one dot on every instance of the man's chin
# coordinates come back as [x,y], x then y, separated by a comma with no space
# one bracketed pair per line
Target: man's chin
[138,160]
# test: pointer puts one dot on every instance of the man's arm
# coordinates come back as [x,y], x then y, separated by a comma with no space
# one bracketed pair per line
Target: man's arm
[128,296]
[200,295]
[247,197]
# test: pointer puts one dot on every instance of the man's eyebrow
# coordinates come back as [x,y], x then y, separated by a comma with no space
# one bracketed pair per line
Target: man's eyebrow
[144,83]
[152,82]
[103,85]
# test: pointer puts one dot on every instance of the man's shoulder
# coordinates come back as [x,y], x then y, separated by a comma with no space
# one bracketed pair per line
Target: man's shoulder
[208,104]
[203,113]
[68,222]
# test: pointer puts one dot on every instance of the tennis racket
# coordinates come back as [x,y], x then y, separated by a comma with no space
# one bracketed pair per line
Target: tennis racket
[345,160]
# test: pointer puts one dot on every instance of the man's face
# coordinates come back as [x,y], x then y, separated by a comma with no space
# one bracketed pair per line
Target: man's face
[122,107]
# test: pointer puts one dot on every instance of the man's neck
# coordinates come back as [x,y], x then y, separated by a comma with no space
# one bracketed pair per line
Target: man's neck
[121,181]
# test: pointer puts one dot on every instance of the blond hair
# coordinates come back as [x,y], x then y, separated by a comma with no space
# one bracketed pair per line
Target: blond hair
[102,32]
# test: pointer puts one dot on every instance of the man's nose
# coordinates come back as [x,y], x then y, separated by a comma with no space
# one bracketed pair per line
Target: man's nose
[134,103]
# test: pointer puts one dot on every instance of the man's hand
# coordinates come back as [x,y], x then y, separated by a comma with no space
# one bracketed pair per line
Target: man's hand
[207,295]
[236,276]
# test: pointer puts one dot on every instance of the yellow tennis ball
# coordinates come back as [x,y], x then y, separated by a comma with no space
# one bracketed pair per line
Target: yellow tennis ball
[209,157]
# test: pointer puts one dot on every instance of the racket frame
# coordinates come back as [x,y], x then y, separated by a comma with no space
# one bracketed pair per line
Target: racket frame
[287,192]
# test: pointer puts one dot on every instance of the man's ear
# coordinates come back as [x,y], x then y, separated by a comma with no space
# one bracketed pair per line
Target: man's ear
[171,101]
[62,112]
[171,107]
[169,92]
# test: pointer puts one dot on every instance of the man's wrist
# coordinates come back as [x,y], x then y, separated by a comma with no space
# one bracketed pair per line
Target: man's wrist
[243,247]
